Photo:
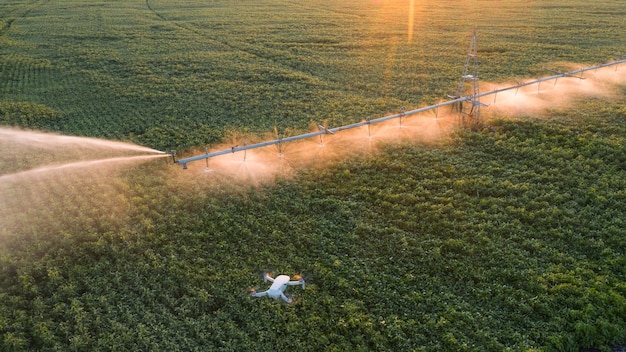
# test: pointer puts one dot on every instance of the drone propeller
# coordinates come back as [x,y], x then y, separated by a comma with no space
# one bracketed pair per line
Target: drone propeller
[306,279]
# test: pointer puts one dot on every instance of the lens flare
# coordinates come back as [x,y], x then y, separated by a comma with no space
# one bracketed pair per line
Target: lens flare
[411,21]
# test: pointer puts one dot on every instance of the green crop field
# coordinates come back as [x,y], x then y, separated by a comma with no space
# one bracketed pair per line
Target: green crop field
[509,238]
[177,74]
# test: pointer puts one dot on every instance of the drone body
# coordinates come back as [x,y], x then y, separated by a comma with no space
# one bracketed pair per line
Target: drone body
[279,284]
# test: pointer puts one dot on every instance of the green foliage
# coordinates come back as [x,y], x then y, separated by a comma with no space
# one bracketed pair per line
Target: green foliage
[511,240]
[131,70]
[27,115]
[505,240]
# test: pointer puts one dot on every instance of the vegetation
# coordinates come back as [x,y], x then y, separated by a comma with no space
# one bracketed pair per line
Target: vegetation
[505,240]
[177,74]
[502,240]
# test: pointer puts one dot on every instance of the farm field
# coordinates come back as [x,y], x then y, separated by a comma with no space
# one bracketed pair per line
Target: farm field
[176,75]
[510,239]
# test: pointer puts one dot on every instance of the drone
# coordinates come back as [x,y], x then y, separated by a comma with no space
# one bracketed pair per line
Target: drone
[279,284]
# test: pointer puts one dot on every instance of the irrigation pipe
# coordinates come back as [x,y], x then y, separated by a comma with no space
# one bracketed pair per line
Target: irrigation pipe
[323,130]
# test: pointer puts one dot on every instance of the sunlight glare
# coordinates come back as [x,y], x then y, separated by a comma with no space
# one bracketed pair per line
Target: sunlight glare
[411,19]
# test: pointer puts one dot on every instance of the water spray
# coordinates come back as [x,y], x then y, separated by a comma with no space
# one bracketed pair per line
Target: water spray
[563,74]
[455,101]
[78,165]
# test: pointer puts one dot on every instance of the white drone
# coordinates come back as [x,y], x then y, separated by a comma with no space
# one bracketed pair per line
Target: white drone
[279,284]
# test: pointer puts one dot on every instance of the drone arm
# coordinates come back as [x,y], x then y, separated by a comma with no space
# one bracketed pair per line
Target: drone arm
[267,277]
[295,283]
[259,294]
[285,298]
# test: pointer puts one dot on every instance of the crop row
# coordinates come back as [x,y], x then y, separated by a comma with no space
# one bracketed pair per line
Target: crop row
[477,245]
[122,71]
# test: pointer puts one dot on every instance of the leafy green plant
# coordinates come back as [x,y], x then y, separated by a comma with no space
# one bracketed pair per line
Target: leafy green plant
[484,241]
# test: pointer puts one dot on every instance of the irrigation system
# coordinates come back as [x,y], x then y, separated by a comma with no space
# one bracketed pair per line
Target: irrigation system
[472,114]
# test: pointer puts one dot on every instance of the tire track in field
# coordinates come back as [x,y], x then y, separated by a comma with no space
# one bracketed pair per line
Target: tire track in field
[237,48]
[7,24]
[308,8]
[329,82]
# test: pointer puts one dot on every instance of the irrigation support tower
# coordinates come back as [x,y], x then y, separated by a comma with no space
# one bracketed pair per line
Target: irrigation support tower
[473,99]
[470,116]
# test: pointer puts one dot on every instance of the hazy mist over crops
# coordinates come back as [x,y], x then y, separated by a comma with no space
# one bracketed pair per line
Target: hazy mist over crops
[421,233]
